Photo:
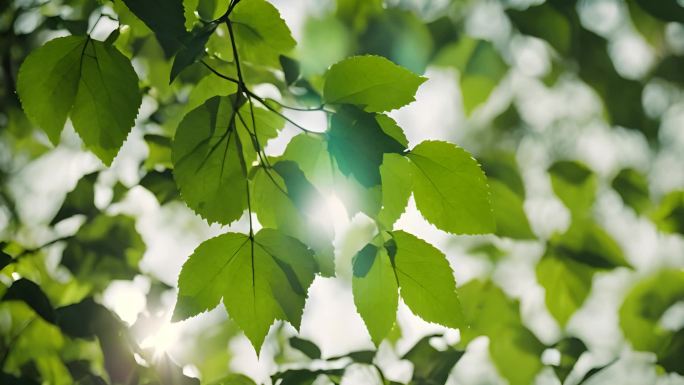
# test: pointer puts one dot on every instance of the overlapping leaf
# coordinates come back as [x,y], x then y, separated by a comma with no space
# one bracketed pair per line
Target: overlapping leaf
[88,80]
[260,280]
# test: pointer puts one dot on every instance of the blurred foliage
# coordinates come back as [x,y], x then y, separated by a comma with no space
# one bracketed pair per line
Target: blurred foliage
[197,64]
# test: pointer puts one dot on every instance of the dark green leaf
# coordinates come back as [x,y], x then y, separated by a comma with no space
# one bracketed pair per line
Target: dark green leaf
[88,319]
[358,143]
[307,347]
[431,366]
[633,189]
[104,249]
[166,18]
[668,10]
[80,200]
[161,184]
[571,349]
[291,69]
[192,50]
[32,295]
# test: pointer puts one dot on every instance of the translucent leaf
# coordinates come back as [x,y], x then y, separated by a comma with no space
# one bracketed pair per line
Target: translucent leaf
[207,161]
[426,281]
[370,82]
[90,81]
[260,280]
[358,143]
[375,289]
[261,35]
[450,189]
[396,174]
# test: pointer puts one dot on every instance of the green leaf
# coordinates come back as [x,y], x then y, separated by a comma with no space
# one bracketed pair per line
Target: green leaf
[207,162]
[80,200]
[567,284]
[291,69]
[515,351]
[668,10]
[235,379]
[166,18]
[450,189]
[370,82]
[260,280]
[431,366]
[104,249]
[400,35]
[633,189]
[575,185]
[261,35]
[669,215]
[571,349]
[208,87]
[510,217]
[426,281]
[587,243]
[5,259]
[481,69]
[305,346]
[88,319]
[645,305]
[283,198]
[161,184]
[193,49]
[32,295]
[48,82]
[544,21]
[376,293]
[396,174]
[90,81]
[358,143]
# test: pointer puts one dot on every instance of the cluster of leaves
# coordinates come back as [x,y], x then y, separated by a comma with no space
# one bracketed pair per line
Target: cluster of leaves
[207,149]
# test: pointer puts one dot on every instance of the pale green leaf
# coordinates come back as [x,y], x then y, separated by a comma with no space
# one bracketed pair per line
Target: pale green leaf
[260,280]
[370,82]
[575,185]
[261,35]
[450,189]
[375,289]
[511,220]
[567,284]
[426,281]
[644,306]
[396,173]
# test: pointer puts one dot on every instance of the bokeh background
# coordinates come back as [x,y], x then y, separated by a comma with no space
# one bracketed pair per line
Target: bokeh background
[524,96]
